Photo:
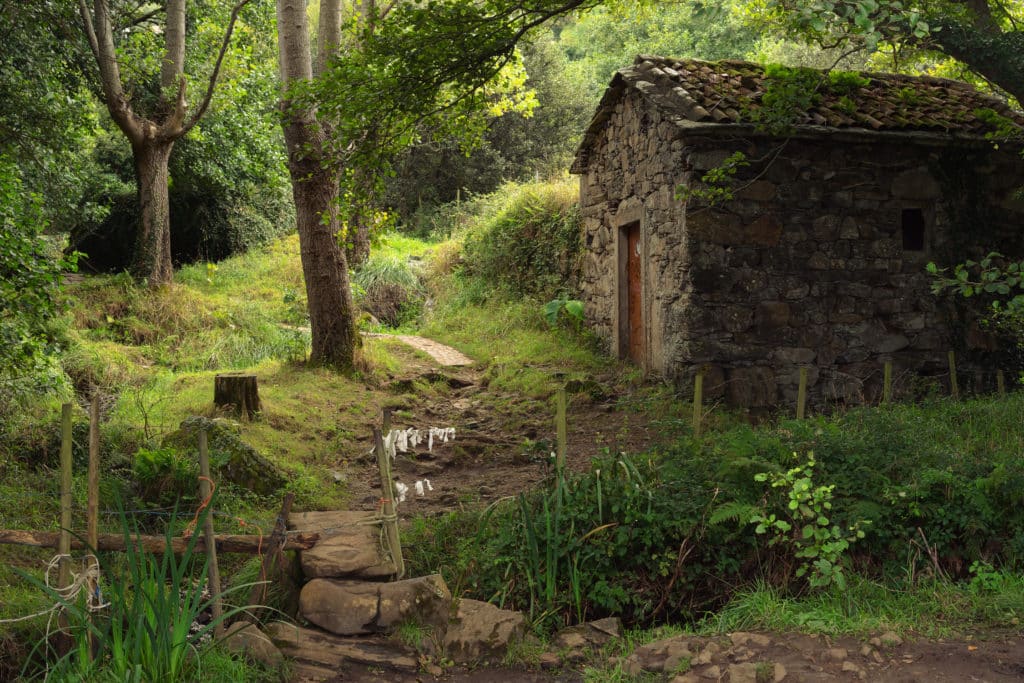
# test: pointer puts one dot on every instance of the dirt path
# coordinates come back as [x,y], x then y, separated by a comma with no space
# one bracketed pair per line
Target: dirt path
[502,443]
[445,356]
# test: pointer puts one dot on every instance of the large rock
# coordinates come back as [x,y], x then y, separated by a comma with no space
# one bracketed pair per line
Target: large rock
[349,546]
[244,638]
[662,656]
[231,458]
[356,607]
[578,641]
[481,631]
[328,651]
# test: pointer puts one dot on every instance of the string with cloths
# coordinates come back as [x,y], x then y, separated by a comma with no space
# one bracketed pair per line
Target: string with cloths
[83,580]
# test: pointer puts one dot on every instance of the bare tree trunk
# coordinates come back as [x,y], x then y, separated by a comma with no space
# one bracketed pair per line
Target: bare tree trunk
[315,189]
[357,241]
[151,259]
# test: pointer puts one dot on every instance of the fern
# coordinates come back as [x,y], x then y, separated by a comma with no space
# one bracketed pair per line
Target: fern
[733,511]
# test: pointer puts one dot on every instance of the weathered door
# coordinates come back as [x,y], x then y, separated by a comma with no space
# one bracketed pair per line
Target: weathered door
[634,306]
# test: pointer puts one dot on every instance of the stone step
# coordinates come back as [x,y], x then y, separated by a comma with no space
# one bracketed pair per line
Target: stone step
[319,656]
[358,607]
[349,546]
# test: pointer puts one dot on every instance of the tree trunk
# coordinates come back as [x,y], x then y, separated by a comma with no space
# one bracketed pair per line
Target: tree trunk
[324,266]
[357,242]
[152,257]
[315,189]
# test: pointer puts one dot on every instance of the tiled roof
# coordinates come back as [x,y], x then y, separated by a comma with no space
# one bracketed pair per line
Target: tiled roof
[691,91]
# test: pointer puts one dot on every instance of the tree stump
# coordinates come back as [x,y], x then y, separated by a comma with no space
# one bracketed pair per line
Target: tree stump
[237,391]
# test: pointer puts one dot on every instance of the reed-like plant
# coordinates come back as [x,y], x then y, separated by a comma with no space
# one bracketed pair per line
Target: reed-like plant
[149,630]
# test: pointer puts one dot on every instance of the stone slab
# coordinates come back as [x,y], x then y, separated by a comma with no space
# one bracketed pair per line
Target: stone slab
[349,545]
[480,631]
[318,651]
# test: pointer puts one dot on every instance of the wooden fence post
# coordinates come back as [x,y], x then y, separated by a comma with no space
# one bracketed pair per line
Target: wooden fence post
[92,508]
[387,504]
[213,572]
[561,429]
[954,387]
[273,558]
[887,382]
[698,401]
[801,395]
[64,574]
[1000,383]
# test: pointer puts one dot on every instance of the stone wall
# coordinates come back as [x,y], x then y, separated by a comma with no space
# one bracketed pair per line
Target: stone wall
[805,267]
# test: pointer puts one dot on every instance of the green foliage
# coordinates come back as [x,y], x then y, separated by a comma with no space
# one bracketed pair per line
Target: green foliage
[389,288]
[612,540]
[515,146]
[1003,128]
[846,82]
[149,631]
[717,185]
[164,476]
[804,525]
[788,93]
[997,281]
[530,242]
[30,286]
[868,21]
[572,308]
[609,37]
[931,608]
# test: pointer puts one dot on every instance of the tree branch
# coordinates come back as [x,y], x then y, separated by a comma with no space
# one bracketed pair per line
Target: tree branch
[205,103]
[90,31]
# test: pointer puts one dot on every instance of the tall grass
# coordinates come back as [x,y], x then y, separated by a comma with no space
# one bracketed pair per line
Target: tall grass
[150,629]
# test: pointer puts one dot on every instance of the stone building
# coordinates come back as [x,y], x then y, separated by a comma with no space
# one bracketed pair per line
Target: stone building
[817,259]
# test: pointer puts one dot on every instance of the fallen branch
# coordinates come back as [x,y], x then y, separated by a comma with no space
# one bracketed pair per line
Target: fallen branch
[156,544]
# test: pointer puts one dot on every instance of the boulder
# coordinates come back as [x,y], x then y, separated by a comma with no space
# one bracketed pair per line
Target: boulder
[577,641]
[316,649]
[244,638]
[357,607]
[231,459]
[349,546]
[660,657]
[480,630]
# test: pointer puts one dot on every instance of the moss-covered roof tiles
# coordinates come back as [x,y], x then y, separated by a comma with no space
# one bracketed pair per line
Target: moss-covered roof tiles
[695,92]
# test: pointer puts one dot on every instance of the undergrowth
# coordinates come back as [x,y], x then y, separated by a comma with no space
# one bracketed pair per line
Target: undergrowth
[670,535]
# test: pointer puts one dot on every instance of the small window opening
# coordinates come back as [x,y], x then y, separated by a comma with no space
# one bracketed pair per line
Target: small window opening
[912,225]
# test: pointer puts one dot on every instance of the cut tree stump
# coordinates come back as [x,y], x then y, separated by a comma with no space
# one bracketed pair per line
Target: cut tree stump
[238,391]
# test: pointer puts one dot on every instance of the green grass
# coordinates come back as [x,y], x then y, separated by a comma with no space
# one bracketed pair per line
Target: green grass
[931,608]
[521,353]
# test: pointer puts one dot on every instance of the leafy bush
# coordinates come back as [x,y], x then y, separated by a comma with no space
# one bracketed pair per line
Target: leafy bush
[30,285]
[923,490]
[528,240]
[626,538]
[149,630]
[164,476]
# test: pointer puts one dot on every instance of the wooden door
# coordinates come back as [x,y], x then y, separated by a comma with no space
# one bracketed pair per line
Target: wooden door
[634,305]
